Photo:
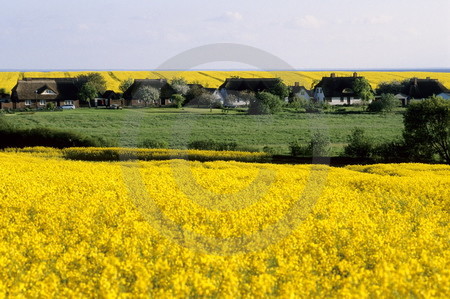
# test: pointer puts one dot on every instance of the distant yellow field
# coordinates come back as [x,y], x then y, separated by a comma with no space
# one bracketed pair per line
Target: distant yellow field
[216,78]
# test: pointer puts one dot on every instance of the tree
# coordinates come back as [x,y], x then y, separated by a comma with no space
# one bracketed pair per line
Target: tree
[386,103]
[96,79]
[427,128]
[148,94]
[359,145]
[124,85]
[180,86]
[245,96]
[178,99]
[363,90]
[88,92]
[280,89]
[207,98]
[394,87]
[194,93]
[265,103]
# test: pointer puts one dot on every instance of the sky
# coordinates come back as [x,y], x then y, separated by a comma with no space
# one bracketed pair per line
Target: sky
[145,34]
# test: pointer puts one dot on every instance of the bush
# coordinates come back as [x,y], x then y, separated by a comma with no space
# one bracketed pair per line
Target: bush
[359,145]
[150,143]
[212,145]
[296,148]
[318,146]
[427,128]
[393,151]
[10,137]
[386,103]
[50,106]
[265,103]
[178,99]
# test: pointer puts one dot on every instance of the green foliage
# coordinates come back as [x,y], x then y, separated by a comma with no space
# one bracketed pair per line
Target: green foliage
[386,103]
[10,137]
[212,145]
[178,99]
[393,151]
[280,89]
[95,79]
[359,145]
[265,103]
[2,90]
[427,128]
[50,106]
[363,90]
[151,143]
[318,146]
[296,148]
[88,92]
[393,87]
[124,85]
[194,93]
[148,94]
[299,103]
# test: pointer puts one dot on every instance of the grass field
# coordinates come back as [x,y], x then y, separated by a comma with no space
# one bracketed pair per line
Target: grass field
[214,79]
[129,127]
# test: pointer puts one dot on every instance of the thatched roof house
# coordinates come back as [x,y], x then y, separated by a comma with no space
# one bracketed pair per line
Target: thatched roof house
[337,90]
[424,88]
[37,92]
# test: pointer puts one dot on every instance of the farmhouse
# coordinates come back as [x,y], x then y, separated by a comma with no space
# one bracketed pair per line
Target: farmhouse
[235,86]
[425,88]
[337,90]
[38,92]
[132,97]
[300,91]
[107,99]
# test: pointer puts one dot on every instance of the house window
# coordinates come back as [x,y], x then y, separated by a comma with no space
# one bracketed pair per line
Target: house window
[319,89]
[48,91]
[27,102]
[68,102]
[42,102]
[139,101]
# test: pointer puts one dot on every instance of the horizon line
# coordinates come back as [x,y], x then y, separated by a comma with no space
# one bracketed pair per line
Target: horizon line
[436,69]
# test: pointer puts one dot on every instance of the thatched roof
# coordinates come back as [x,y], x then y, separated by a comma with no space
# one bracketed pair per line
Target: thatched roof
[45,89]
[424,88]
[298,88]
[338,86]
[249,84]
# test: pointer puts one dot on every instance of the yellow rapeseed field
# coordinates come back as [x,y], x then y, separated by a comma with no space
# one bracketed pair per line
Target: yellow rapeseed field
[214,79]
[221,229]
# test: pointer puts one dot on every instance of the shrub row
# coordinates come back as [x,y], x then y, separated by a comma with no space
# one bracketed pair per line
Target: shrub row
[11,137]
[124,154]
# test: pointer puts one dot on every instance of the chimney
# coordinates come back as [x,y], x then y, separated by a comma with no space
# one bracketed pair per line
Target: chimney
[297,84]
[333,75]
[428,78]
[355,74]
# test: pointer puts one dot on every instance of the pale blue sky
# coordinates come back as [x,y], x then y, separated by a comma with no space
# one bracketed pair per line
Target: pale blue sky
[139,34]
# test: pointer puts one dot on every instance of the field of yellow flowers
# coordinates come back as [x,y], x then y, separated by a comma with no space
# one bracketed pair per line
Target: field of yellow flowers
[214,79]
[180,228]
